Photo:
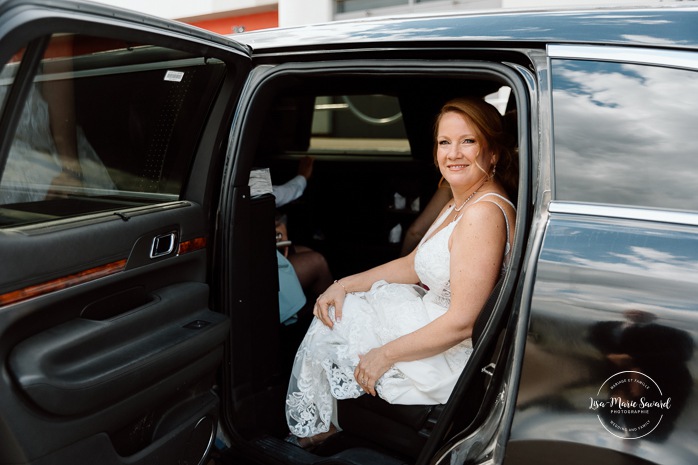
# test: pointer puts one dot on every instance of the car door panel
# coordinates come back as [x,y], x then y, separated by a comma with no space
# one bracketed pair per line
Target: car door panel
[94,356]
[172,329]
[54,256]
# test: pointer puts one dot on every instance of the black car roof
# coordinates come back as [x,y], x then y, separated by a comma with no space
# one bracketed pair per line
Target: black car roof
[667,26]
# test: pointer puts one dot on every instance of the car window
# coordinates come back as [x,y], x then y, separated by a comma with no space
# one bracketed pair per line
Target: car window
[358,124]
[623,134]
[106,124]
[345,6]
[367,124]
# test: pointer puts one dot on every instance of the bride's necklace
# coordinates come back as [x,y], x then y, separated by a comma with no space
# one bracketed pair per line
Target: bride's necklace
[457,209]
[464,203]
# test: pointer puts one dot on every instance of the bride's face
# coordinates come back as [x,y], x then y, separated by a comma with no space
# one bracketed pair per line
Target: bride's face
[460,154]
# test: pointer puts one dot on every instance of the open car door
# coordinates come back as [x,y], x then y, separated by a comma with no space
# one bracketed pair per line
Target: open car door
[113,130]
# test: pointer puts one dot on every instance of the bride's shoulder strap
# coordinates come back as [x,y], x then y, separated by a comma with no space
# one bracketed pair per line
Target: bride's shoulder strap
[506,218]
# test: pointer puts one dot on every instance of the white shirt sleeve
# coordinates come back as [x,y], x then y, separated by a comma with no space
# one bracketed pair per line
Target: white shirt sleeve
[290,191]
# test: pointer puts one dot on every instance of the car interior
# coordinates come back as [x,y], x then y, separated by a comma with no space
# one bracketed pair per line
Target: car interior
[371,138]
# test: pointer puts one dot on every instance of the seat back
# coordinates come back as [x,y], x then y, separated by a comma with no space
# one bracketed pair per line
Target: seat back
[485,315]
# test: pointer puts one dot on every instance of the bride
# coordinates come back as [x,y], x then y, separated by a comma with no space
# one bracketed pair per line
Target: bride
[402,330]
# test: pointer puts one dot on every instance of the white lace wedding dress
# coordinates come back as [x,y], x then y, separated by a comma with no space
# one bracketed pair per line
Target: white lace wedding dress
[324,365]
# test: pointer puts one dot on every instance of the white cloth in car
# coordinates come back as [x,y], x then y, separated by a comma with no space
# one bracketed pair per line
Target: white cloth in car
[325,361]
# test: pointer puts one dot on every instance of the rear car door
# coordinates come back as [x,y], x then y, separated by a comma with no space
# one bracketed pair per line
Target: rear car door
[609,369]
[112,132]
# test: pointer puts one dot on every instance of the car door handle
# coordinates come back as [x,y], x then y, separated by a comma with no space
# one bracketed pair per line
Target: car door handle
[163,244]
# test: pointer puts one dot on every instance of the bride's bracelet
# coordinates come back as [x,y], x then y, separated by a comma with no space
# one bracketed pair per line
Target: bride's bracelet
[340,283]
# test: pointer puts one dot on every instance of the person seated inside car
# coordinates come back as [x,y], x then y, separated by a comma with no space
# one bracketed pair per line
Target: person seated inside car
[310,267]
[379,332]
[416,230]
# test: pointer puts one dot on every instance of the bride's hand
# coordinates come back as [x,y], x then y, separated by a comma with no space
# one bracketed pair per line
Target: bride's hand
[332,297]
[372,365]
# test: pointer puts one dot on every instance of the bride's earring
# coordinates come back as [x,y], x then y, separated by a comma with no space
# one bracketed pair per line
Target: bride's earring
[494,170]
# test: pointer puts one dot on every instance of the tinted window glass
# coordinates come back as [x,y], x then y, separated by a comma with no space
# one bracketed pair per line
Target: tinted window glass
[106,124]
[624,134]
[345,6]
[358,123]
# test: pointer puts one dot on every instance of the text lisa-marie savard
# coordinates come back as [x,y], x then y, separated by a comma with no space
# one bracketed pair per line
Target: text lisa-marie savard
[619,403]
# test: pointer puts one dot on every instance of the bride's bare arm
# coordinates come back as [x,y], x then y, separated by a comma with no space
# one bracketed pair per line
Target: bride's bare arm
[400,270]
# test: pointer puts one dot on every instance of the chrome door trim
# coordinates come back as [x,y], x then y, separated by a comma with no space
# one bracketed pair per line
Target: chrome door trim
[631,213]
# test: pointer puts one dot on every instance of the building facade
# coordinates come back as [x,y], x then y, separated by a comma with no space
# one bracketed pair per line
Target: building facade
[233,16]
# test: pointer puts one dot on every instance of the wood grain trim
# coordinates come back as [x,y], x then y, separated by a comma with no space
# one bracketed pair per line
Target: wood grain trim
[191,245]
[62,283]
